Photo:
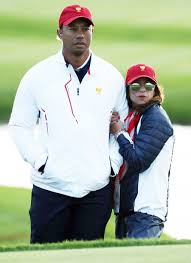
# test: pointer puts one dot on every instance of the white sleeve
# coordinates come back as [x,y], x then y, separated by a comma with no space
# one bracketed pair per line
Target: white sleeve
[22,124]
[115,157]
[121,105]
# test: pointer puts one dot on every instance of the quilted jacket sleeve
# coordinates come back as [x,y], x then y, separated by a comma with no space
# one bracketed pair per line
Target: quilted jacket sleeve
[154,132]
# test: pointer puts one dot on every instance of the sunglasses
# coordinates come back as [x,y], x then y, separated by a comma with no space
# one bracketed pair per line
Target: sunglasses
[136,86]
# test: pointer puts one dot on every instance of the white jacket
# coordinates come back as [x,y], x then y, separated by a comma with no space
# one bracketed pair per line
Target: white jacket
[73,132]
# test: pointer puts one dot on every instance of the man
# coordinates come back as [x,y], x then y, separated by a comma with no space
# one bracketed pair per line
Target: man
[71,95]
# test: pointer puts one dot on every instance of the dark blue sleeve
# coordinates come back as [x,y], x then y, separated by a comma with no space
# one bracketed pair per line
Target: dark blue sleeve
[153,134]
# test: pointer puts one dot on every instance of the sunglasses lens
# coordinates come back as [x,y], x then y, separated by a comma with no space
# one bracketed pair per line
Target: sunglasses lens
[149,86]
[135,86]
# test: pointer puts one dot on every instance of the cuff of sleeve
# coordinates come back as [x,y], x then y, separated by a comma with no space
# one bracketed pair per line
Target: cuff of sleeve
[126,135]
[119,133]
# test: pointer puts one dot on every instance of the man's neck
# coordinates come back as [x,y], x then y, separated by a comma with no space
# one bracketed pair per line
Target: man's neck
[76,61]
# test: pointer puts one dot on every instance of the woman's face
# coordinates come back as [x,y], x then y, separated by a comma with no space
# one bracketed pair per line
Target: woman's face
[141,91]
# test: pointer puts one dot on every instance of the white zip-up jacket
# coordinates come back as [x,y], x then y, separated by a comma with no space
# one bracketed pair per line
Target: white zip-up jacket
[72,137]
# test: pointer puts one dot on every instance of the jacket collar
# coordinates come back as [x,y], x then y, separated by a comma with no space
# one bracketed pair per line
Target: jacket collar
[93,66]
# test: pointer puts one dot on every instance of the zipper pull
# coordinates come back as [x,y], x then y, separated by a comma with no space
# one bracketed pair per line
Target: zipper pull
[78,91]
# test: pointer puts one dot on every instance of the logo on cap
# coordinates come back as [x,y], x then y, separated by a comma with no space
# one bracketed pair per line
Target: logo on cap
[139,71]
[142,68]
[73,12]
[78,9]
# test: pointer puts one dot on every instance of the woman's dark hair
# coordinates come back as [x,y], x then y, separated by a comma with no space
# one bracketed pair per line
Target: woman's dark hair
[158,98]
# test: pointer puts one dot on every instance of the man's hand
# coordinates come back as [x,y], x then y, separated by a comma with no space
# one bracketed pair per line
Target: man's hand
[41,169]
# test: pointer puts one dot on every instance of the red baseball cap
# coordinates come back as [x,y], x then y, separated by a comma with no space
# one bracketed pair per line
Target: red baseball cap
[138,71]
[73,12]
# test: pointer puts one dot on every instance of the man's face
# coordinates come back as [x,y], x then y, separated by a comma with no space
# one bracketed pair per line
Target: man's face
[76,37]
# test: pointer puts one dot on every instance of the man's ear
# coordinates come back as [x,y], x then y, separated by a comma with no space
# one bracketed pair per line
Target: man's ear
[59,33]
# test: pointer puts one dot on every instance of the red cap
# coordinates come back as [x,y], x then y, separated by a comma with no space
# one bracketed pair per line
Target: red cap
[73,12]
[138,71]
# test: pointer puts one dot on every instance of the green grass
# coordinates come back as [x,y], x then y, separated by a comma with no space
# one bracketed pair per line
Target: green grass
[125,33]
[107,242]
[136,254]
[139,12]
[93,244]
[14,218]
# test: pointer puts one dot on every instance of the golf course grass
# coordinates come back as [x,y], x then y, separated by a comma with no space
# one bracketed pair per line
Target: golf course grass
[138,254]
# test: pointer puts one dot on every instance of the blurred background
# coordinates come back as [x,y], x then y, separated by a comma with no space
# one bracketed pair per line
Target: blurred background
[126,32]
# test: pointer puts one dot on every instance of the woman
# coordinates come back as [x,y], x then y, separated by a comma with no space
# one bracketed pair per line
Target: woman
[146,140]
